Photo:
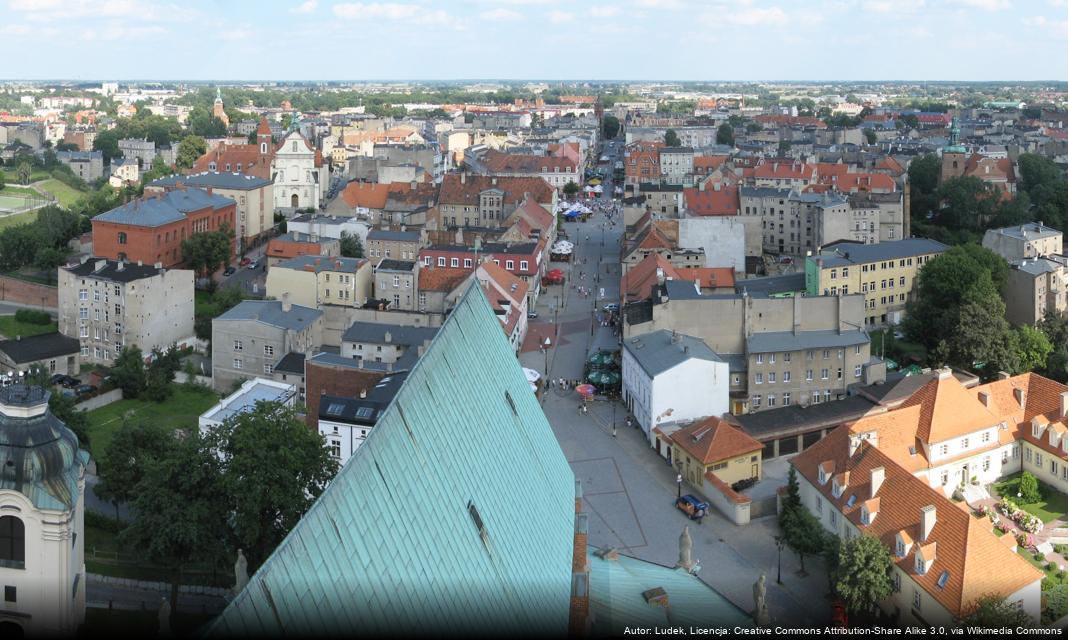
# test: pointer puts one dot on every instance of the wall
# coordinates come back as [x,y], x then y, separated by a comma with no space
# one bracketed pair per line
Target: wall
[693,389]
[721,238]
[729,502]
[22,292]
[102,400]
[333,380]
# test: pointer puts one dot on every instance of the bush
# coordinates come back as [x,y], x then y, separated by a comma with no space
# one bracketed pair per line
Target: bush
[1039,557]
[1050,566]
[1056,602]
[29,316]
[1028,488]
[100,521]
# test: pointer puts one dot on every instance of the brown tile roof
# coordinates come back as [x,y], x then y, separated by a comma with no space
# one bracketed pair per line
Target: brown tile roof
[637,283]
[713,440]
[441,278]
[709,277]
[245,156]
[711,201]
[371,195]
[948,410]
[976,562]
[498,162]
[459,190]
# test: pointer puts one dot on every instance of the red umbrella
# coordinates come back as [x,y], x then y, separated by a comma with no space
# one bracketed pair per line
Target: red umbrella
[586,389]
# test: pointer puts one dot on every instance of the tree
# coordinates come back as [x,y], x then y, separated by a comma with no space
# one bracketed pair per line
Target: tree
[351,247]
[725,135]
[128,373]
[158,170]
[177,505]
[1028,488]
[671,139]
[967,202]
[803,533]
[133,447]
[23,171]
[1031,348]
[570,189]
[160,374]
[191,148]
[203,123]
[2,180]
[1056,605]
[923,182]
[611,127]
[994,612]
[274,468]
[204,252]
[864,574]
[64,408]
[869,135]
[48,258]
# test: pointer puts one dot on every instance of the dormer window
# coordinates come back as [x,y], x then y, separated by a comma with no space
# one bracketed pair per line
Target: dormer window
[900,550]
[921,566]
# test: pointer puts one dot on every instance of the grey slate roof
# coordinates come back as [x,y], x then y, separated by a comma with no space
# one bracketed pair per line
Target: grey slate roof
[155,211]
[130,271]
[214,179]
[39,347]
[389,264]
[387,235]
[796,419]
[775,341]
[365,411]
[1029,231]
[833,255]
[375,333]
[1036,267]
[656,353]
[771,285]
[322,263]
[291,363]
[270,312]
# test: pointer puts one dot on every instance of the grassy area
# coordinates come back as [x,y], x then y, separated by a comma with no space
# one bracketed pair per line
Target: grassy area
[66,194]
[19,218]
[1052,506]
[13,190]
[118,623]
[9,327]
[180,411]
[903,351]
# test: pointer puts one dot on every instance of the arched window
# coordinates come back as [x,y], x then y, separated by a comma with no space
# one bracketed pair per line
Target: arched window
[12,542]
[122,237]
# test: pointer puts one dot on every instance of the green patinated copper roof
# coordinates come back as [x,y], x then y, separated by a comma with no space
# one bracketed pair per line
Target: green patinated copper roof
[392,546]
[39,455]
[617,601]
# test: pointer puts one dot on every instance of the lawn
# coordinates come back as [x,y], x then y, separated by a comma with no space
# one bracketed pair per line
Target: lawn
[66,194]
[9,327]
[1052,506]
[898,349]
[181,410]
[17,191]
[19,218]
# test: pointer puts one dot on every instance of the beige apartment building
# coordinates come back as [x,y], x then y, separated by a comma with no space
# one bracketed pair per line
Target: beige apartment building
[254,197]
[1037,286]
[883,272]
[108,305]
[312,281]
[1031,240]
[397,282]
[780,351]
[397,244]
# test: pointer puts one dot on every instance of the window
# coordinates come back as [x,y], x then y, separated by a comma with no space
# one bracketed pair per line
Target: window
[122,237]
[455,262]
[986,465]
[786,400]
[819,505]
[786,357]
[900,548]
[824,374]
[467,263]
[917,600]
[759,378]
[785,376]
[83,313]
[396,281]
[524,265]
[771,378]
[509,265]
[945,478]
[839,373]
[826,354]
[771,400]
[964,443]
[1038,459]
[83,295]
[760,358]
[268,350]
[857,370]
[237,363]
[986,436]
[756,401]
[12,542]
[335,448]
[238,345]
[856,349]
[808,375]
[441,262]
[268,369]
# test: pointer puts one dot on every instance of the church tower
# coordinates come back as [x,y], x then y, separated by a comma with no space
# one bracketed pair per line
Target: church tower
[263,137]
[954,155]
[42,515]
[218,111]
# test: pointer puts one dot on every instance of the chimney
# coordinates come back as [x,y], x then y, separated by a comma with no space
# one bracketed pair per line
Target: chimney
[100,264]
[984,397]
[927,521]
[878,475]
[363,393]
[389,337]
[1021,397]
[286,305]
[121,265]
[463,178]
[1064,404]
[140,264]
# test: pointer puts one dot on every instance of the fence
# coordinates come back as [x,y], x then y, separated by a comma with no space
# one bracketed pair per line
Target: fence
[102,400]
[162,587]
[181,377]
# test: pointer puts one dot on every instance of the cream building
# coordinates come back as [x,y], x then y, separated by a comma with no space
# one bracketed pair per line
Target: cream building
[883,272]
[312,281]
[253,195]
[42,513]
[300,178]
[108,305]
[1031,240]
[1037,286]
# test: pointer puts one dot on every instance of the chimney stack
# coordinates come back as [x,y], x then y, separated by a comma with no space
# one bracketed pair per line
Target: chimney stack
[878,475]
[1064,404]
[927,521]
[984,397]
[286,305]
[1021,397]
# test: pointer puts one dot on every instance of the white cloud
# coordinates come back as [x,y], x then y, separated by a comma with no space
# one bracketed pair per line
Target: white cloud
[396,12]
[119,31]
[603,12]
[68,10]
[501,15]
[752,17]
[1057,3]
[1058,27]
[560,17]
[306,7]
[893,6]
[985,5]
[660,4]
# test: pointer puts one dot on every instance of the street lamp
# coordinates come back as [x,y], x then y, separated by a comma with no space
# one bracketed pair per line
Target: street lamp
[678,483]
[780,542]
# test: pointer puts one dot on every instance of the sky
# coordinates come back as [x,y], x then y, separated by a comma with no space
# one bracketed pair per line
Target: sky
[534,39]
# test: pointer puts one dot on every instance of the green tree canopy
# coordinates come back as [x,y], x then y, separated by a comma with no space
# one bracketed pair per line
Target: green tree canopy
[864,570]
[611,127]
[128,373]
[189,149]
[274,470]
[994,612]
[132,448]
[570,189]
[725,135]
[351,247]
[205,252]
[671,139]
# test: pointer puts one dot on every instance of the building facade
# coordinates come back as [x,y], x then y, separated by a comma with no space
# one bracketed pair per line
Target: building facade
[249,339]
[313,281]
[253,199]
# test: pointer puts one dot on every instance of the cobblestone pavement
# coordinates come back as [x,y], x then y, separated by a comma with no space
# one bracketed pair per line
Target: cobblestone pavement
[629,490]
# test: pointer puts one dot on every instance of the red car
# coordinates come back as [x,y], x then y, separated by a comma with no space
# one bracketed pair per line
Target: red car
[245,262]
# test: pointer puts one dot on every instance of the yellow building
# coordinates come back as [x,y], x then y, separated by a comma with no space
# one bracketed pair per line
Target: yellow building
[883,272]
[714,445]
[312,281]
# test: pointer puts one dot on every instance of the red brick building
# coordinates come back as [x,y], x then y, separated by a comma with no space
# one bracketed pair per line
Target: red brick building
[151,229]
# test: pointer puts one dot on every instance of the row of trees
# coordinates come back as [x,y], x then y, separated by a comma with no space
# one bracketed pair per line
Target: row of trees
[198,497]
[43,242]
[153,382]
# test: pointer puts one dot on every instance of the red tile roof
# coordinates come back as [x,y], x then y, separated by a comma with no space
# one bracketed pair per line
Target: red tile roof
[713,440]
[457,189]
[444,279]
[711,201]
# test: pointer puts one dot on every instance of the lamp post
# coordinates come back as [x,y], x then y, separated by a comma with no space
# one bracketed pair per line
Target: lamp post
[678,483]
[545,350]
[780,542]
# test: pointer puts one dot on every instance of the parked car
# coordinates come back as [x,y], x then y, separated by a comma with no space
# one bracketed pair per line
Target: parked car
[254,264]
[71,382]
[612,306]
[63,380]
[245,262]
[532,314]
[692,507]
[83,390]
[229,271]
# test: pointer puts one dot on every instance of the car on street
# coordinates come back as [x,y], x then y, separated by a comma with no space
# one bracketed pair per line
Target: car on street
[254,264]
[84,390]
[612,306]
[63,380]
[532,314]
[245,262]
[229,271]
[692,507]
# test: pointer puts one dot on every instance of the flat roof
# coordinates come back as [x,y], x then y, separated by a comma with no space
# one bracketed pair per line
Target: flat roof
[244,399]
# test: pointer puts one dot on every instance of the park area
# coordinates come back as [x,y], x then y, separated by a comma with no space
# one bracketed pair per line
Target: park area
[180,411]
[18,325]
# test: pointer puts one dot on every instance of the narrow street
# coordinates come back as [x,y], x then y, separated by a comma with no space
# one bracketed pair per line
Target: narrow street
[629,490]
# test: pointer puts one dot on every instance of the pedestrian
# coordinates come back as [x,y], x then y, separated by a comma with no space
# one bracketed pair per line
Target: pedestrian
[613,429]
